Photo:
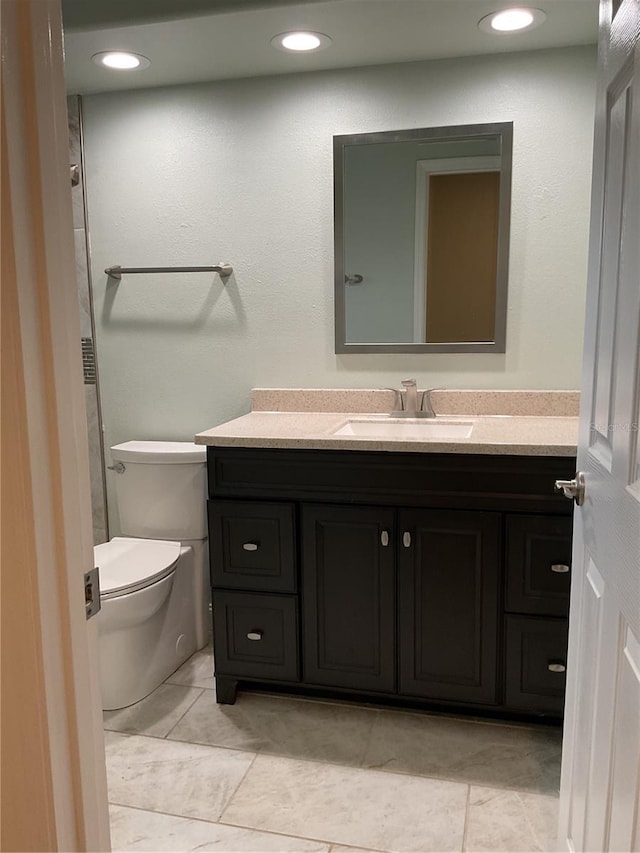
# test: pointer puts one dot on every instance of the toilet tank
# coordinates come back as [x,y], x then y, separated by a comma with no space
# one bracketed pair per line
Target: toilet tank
[161,489]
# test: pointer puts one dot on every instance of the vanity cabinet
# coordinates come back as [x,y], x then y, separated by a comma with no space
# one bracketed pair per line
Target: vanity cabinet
[427,579]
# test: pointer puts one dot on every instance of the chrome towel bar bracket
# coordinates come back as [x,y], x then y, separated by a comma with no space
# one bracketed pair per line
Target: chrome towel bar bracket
[224,270]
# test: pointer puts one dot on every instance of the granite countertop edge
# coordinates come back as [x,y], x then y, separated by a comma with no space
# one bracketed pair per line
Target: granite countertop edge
[493,435]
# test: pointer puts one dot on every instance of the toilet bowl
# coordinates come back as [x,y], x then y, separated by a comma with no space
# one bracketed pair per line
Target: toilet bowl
[154,592]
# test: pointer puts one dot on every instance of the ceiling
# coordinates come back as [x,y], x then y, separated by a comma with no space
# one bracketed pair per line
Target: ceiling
[197,40]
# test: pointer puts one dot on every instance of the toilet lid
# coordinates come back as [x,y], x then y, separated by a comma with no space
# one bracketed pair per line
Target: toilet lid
[129,564]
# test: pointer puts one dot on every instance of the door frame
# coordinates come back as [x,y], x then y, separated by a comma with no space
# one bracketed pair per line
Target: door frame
[60,791]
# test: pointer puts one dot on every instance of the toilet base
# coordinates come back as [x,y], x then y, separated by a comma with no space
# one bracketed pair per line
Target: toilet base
[144,636]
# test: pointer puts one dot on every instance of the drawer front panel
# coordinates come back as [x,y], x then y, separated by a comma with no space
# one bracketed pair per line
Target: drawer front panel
[536,655]
[255,636]
[538,564]
[456,481]
[252,545]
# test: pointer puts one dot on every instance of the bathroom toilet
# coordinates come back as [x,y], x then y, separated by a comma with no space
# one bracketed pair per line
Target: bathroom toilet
[154,589]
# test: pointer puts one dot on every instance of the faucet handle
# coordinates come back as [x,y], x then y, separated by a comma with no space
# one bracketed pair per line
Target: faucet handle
[408,383]
[399,400]
[425,402]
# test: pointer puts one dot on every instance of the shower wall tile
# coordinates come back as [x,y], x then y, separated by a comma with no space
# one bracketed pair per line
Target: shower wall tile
[94,426]
[75,156]
[94,419]
[82,281]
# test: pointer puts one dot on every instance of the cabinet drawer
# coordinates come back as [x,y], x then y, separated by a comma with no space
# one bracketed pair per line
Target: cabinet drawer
[538,564]
[255,636]
[252,545]
[536,655]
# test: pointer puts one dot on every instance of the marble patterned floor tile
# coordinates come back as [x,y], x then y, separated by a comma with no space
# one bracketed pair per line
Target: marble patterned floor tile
[187,780]
[510,821]
[346,805]
[196,672]
[156,714]
[134,829]
[521,757]
[279,726]
[340,848]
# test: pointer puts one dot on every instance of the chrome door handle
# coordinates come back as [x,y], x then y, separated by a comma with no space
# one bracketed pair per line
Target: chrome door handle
[573,488]
[406,539]
[250,546]
[559,568]
[384,538]
[556,666]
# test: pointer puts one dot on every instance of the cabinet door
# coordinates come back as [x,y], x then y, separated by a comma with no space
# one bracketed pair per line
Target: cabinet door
[448,569]
[348,597]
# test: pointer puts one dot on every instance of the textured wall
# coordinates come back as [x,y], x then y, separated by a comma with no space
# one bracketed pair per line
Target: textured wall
[242,171]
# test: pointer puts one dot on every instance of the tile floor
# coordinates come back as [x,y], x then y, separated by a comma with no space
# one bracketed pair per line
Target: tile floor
[274,773]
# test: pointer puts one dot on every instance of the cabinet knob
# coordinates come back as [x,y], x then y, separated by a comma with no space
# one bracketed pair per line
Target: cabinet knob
[556,666]
[406,539]
[384,538]
[255,635]
[560,568]
[250,546]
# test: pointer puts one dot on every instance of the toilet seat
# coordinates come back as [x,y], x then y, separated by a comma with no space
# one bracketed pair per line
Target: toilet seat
[128,564]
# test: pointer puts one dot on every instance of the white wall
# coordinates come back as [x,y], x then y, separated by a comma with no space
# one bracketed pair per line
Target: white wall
[241,171]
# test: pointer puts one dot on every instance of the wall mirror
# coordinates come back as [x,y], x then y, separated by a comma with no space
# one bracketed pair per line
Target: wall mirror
[421,229]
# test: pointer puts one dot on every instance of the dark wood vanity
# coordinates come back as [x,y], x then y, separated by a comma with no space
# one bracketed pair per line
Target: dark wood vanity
[425,579]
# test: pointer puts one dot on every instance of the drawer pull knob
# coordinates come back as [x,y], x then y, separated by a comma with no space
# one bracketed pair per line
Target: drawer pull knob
[556,666]
[559,568]
[250,546]
[384,538]
[255,635]
[406,539]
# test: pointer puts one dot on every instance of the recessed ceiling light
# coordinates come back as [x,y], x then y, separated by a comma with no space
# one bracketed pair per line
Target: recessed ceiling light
[300,41]
[120,59]
[512,20]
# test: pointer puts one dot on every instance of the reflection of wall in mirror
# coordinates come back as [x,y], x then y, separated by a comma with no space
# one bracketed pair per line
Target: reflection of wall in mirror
[378,239]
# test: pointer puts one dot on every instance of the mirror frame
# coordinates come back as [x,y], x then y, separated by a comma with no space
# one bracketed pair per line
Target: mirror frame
[425,134]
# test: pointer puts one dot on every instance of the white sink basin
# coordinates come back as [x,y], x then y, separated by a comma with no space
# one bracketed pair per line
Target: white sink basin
[427,429]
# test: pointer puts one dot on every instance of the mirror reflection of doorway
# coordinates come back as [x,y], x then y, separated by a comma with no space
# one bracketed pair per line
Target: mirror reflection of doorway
[457,230]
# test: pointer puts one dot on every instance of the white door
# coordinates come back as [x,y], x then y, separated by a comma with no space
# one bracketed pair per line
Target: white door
[52,746]
[600,791]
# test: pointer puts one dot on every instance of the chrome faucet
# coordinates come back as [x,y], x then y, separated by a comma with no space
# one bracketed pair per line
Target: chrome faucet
[411,406]
[411,403]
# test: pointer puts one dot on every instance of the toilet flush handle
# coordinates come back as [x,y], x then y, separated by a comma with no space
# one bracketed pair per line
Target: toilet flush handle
[119,468]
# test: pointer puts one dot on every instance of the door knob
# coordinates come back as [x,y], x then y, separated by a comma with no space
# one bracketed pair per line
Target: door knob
[573,488]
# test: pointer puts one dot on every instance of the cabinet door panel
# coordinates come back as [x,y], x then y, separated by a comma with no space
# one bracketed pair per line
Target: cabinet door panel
[348,597]
[448,604]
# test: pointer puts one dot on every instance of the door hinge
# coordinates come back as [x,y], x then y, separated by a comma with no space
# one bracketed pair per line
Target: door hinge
[92,592]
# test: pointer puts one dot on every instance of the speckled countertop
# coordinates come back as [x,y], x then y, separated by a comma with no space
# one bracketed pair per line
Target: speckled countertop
[522,428]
